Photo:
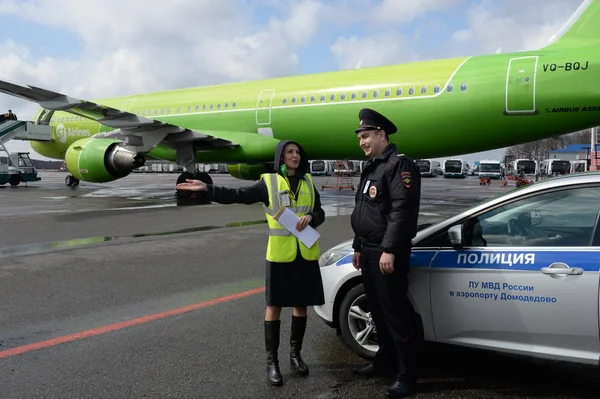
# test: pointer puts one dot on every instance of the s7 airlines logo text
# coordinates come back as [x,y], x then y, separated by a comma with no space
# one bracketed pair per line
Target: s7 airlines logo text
[62,133]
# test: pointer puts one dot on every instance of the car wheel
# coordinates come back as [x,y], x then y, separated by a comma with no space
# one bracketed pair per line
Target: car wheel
[356,324]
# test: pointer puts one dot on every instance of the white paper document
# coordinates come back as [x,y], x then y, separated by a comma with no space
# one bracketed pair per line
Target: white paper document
[289,220]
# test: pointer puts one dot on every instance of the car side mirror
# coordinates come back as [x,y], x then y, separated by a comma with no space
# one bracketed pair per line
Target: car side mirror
[455,235]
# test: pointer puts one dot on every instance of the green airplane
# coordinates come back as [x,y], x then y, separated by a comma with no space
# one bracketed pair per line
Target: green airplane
[442,108]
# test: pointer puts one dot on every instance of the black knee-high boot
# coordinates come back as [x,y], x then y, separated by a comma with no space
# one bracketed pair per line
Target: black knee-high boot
[272,345]
[296,338]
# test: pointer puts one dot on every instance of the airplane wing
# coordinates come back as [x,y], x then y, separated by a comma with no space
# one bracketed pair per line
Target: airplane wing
[141,132]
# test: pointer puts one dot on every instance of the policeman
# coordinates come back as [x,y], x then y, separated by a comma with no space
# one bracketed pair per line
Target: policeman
[384,221]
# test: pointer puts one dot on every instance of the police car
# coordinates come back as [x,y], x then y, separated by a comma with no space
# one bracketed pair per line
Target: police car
[518,273]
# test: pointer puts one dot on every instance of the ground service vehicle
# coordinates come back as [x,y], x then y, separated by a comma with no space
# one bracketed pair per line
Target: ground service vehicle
[490,168]
[428,167]
[554,167]
[455,168]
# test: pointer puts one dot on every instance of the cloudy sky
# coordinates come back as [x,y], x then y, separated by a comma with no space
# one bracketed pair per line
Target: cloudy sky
[115,47]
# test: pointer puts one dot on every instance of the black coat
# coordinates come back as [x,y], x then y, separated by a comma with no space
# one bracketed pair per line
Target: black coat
[387,203]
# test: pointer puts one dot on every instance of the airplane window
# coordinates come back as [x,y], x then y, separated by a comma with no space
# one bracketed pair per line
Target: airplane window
[211,106]
[169,111]
[450,88]
[463,87]
[197,108]
[436,89]
[323,98]
[144,113]
[157,112]
[178,109]
[411,91]
[226,105]
[218,106]
[375,93]
[424,90]
[399,91]
[233,106]
[364,94]
[189,108]
[293,100]
[387,92]
[204,107]
[303,99]
[312,99]
[343,96]
[332,97]
[284,101]
[353,96]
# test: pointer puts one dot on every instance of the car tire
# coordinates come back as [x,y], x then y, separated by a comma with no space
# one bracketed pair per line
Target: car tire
[355,297]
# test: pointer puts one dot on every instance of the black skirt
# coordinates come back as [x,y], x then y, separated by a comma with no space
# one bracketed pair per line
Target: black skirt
[294,284]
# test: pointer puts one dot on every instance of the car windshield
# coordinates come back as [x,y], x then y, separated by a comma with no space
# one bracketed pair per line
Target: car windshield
[453,166]
[318,166]
[423,165]
[489,167]
[528,167]
[561,166]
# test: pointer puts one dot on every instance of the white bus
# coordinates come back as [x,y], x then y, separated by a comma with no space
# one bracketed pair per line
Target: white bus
[428,167]
[490,168]
[455,168]
[319,167]
[554,167]
[528,166]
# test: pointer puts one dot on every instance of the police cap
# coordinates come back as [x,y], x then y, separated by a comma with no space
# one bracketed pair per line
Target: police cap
[371,119]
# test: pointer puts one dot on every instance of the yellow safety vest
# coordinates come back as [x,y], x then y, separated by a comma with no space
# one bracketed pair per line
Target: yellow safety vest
[283,245]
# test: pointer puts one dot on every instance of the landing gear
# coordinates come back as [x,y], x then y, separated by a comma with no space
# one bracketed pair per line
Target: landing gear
[192,197]
[71,181]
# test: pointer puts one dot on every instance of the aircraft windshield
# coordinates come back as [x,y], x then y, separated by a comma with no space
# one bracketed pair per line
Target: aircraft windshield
[423,166]
[453,166]
[489,167]
[528,167]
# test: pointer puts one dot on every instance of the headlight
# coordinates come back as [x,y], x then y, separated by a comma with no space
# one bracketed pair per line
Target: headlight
[336,253]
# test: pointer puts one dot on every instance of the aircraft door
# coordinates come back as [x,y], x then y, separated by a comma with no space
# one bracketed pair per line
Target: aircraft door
[263,107]
[44,117]
[521,86]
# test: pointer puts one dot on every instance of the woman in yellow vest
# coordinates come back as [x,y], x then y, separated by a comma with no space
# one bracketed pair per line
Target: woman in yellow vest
[293,278]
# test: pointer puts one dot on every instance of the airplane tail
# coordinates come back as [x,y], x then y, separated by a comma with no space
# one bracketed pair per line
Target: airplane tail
[583,27]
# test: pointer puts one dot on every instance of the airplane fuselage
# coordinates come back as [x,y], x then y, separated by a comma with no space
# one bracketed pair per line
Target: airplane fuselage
[442,107]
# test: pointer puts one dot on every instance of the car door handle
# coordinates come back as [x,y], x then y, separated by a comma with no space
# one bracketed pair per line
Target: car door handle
[572,271]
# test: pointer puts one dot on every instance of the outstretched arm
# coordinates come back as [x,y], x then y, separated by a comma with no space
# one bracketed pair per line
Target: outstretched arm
[223,195]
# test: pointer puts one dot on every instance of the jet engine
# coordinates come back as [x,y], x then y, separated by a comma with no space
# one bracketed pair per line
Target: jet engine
[101,160]
[248,172]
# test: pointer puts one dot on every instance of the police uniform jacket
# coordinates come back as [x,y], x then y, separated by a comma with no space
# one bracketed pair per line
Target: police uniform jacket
[387,203]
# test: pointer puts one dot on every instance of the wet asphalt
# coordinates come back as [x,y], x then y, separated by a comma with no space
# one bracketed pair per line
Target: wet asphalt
[113,291]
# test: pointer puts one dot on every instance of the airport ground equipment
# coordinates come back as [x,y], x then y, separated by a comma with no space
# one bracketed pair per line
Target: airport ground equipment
[19,167]
[343,177]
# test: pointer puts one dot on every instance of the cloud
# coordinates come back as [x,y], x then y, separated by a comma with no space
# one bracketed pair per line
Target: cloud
[513,25]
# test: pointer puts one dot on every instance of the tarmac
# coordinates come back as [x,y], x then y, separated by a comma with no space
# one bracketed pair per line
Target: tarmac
[114,291]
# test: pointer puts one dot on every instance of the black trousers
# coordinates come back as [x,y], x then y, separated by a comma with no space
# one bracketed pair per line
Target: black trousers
[392,313]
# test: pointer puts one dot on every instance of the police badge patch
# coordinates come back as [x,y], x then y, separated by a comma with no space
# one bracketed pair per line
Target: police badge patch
[406,179]
[373,192]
